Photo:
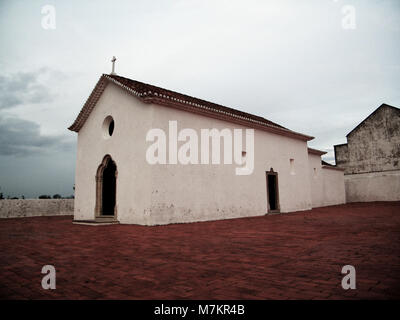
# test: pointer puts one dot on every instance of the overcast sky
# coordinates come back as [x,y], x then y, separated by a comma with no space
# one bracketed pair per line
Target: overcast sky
[298,63]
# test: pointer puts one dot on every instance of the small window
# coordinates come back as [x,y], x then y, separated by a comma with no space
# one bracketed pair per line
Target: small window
[111,128]
[292,166]
[108,127]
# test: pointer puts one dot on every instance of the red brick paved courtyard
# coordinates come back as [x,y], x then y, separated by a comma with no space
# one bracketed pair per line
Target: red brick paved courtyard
[288,256]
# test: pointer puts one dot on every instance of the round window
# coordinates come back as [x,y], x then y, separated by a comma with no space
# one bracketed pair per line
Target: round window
[111,128]
[108,127]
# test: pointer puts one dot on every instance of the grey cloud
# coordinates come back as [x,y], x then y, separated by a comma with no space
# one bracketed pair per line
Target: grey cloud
[20,137]
[23,87]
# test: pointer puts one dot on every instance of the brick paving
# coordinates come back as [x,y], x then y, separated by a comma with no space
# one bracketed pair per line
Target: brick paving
[288,256]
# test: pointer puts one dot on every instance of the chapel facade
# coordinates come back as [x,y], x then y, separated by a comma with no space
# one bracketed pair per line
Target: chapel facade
[137,161]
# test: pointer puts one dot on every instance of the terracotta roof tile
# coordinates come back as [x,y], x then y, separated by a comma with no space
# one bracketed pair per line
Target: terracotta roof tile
[152,94]
[148,91]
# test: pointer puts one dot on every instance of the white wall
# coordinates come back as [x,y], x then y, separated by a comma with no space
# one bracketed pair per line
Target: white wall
[316,180]
[327,184]
[375,186]
[127,147]
[333,187]
[159,194]
[183,193]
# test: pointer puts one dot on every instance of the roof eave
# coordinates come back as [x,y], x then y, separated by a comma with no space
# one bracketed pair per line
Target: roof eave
[230,117]
[316,152]
[89,104]
[332,168]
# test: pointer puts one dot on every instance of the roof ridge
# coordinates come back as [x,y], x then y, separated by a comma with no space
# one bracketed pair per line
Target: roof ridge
[148,93]
[198,99]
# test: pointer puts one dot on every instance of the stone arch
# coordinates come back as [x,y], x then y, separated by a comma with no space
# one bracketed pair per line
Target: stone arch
[106,188]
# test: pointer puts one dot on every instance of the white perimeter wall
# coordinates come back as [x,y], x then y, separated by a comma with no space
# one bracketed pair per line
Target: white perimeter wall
[35,207]
[376,186]
[327,185]
[334,191]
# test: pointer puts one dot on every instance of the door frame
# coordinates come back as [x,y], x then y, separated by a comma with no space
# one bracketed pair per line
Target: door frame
[271,172]
[98,210]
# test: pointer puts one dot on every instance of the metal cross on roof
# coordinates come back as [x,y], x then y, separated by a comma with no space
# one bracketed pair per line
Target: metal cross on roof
[113,64]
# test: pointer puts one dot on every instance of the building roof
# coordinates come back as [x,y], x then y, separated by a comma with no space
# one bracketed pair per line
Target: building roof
[317,152]
[151,94]
[327,165]
[324,164]
[384,105]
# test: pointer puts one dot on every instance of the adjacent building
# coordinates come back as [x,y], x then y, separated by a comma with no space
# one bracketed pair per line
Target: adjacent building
[371,157]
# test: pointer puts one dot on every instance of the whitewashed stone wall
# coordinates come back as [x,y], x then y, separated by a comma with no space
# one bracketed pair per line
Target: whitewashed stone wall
[373,186]
[36,207]
[327,184]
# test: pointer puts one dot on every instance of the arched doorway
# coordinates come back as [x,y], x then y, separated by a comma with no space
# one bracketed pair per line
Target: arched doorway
[106,187]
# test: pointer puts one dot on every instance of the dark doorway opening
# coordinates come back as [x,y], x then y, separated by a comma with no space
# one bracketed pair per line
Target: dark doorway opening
[272,191]
[109,184]
[106,189]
